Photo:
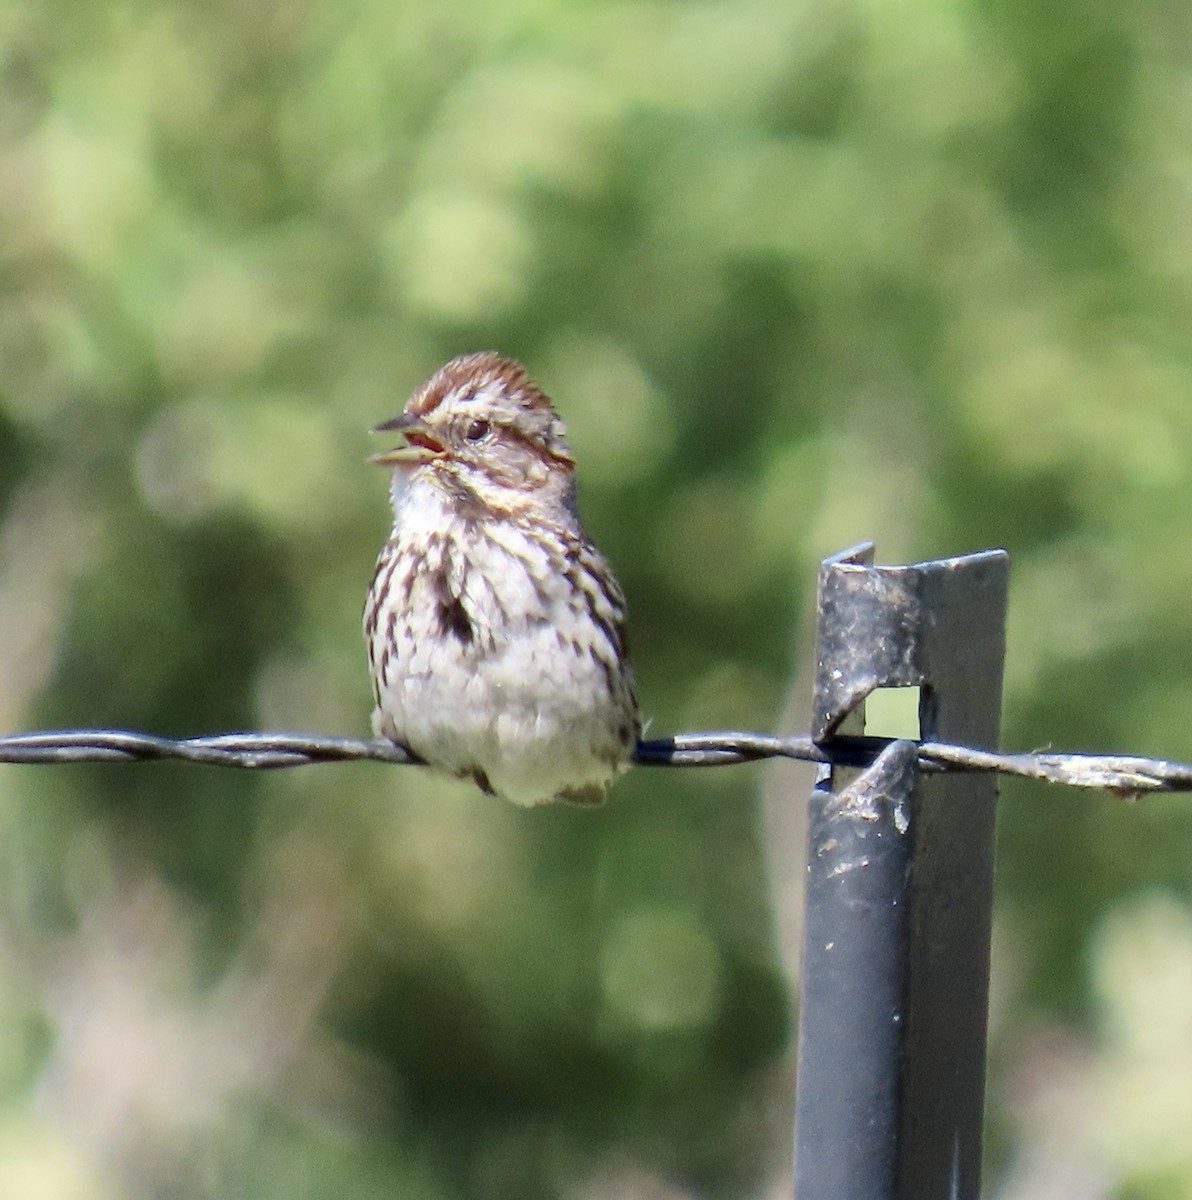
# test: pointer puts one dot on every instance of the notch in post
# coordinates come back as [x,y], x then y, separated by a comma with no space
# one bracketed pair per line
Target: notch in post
[895,976]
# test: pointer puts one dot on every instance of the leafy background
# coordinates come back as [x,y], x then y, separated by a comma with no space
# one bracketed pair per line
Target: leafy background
[798,275]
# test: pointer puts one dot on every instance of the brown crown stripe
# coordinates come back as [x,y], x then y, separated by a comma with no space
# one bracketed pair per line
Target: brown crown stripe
[475,369]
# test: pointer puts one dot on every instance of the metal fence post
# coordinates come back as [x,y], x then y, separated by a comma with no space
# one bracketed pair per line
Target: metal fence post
[891,1059]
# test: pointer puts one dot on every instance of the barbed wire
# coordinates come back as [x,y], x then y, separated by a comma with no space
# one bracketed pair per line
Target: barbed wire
[1125,775]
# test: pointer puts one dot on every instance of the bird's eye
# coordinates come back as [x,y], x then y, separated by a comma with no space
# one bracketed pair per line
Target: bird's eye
[476,431]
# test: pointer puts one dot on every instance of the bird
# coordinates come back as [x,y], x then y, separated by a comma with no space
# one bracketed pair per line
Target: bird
[496,631]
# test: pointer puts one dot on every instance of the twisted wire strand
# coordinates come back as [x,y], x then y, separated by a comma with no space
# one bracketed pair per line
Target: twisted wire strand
[1123,774]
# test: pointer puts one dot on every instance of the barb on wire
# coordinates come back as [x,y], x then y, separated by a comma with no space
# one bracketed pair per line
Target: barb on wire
[1125,775]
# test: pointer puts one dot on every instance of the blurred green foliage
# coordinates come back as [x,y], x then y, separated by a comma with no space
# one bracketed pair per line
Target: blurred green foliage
[796,275]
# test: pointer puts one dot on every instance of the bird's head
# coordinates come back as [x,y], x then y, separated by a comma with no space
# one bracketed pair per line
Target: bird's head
[481,422]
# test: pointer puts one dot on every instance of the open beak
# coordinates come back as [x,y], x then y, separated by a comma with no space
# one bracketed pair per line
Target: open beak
[420,446]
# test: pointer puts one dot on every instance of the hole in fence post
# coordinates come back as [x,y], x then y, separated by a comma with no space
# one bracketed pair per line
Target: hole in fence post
[893,712]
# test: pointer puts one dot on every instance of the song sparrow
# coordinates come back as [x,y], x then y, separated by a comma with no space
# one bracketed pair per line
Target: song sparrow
[495,628]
